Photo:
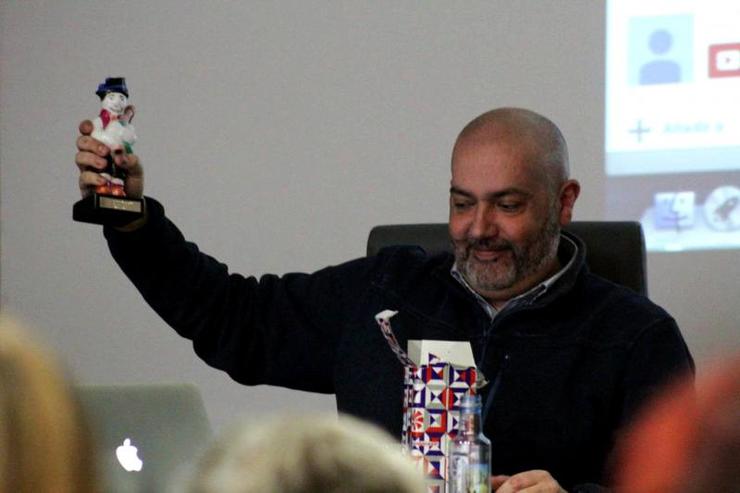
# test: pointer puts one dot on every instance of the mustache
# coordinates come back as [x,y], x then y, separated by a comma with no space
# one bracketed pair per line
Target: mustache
[498,245]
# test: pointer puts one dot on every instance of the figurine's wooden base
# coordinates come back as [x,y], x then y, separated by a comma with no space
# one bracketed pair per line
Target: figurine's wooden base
[107,209]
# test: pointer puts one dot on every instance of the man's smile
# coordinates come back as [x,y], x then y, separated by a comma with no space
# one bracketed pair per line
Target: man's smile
[488,254]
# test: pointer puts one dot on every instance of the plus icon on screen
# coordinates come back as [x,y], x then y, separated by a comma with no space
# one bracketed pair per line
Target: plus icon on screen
[639,130]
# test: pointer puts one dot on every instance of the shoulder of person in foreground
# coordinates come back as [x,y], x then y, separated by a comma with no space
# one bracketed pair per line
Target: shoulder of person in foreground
[687,439]
[306,454]
[45,442]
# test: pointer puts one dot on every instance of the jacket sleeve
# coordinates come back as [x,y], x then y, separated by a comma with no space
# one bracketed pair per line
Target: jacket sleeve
[658,356]
[277,331]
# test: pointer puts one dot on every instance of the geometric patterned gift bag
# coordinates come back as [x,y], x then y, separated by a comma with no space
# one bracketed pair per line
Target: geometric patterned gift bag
[431,407]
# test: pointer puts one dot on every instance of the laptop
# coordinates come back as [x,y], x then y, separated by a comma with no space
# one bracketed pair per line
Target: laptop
[147,436]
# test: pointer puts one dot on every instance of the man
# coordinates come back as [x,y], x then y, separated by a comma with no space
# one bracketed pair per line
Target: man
[569,355]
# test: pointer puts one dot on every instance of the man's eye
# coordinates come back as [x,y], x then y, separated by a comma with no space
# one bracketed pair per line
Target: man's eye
[510,206]
[461,205]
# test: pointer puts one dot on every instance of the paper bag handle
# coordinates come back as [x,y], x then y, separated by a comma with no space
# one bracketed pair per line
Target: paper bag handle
[384,322]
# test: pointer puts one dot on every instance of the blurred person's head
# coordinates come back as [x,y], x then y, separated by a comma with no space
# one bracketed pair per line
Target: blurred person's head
[309,454]
[44,440]
[688,439]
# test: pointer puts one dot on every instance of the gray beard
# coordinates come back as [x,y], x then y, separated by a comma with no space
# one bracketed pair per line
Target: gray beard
[523,261]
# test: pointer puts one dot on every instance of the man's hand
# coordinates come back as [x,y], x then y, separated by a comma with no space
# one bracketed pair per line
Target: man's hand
[91,159]
[526,482]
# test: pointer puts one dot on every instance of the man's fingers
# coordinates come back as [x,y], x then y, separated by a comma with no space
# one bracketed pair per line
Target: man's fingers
[87,143]
[89,180]
[94,157]
[87,160]
[86,127]
[541,488]
[497,481]
[536,481]
[129,163]
[119,157]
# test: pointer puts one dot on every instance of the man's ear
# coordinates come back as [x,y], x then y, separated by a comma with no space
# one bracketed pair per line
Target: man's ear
[567,197]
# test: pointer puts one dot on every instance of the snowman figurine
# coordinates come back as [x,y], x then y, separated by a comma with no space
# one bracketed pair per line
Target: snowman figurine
[113,128]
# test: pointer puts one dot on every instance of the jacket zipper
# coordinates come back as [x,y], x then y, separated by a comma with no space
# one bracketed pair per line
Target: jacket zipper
[494,388]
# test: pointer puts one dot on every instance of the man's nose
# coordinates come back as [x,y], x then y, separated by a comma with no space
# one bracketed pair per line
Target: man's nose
[484,223]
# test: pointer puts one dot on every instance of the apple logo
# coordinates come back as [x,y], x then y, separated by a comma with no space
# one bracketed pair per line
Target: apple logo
[127,456]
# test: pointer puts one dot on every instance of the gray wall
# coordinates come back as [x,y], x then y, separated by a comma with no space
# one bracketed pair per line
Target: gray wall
[277,134]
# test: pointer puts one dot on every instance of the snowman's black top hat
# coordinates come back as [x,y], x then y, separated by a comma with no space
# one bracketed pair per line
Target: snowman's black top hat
[112,84]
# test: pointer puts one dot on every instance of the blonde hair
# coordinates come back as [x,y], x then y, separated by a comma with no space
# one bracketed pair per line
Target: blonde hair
[308,454]
[44,443]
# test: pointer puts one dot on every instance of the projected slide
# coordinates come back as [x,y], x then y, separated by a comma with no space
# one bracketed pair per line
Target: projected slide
[673,120]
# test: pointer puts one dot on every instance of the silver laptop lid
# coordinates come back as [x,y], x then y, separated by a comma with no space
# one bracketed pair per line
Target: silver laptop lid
[147,436]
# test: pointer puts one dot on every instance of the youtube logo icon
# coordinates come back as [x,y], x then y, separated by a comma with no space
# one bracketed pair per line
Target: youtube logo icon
[724,60]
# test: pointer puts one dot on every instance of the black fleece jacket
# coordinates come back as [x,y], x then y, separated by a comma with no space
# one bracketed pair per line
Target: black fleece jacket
[567,371]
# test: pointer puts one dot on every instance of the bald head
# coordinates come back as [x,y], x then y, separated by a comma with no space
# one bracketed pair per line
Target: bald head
[538,136]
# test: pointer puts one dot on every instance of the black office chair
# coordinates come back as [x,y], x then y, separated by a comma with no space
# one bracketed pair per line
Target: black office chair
[614,249]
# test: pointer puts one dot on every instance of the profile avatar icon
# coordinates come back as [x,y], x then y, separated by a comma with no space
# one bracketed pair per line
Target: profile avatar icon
[662,71]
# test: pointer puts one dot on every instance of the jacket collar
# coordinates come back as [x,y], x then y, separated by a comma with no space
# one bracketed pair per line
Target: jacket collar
[572,255]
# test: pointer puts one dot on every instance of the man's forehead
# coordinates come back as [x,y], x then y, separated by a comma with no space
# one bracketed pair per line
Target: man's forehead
[497,143]
[496,156]
[492,169]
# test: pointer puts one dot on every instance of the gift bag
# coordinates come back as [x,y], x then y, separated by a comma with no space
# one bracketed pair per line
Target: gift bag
[431,406]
